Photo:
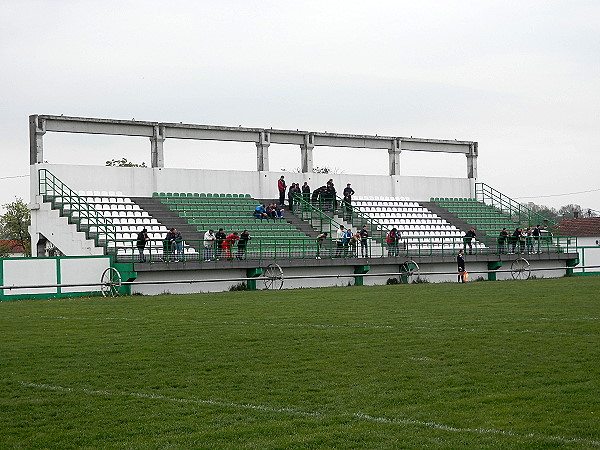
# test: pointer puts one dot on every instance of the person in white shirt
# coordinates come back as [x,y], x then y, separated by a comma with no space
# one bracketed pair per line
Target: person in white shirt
[339,240]
[209,245]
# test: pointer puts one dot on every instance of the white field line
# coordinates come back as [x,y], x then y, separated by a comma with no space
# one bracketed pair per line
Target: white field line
[294,412]
[169,399]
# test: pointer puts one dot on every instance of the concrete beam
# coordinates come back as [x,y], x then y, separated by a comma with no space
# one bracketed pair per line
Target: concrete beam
[262,137]
[66,124]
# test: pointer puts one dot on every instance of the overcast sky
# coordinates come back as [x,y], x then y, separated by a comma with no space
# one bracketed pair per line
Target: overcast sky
[520,77]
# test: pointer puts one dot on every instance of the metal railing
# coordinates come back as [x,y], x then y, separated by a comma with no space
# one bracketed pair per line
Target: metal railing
[159,250]
[348,212]
[317,217]
[87,218]
[517,212]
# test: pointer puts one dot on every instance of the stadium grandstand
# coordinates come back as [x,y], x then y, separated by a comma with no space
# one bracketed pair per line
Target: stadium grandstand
[97,211]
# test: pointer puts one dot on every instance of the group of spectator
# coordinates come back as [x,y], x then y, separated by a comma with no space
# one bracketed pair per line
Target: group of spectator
[220,245]
[172,245]
[273,211]
[523,239]
[392,241]
[347,242]
[217,245]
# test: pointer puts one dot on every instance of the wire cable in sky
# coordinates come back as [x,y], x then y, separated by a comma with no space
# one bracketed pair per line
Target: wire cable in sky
[16,176]
[558,195]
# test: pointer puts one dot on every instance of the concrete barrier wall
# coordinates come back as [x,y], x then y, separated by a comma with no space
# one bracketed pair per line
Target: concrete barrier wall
[46,271]
[134,181]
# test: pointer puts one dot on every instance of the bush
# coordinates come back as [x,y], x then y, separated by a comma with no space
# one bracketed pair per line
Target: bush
[239,287]
[420,280]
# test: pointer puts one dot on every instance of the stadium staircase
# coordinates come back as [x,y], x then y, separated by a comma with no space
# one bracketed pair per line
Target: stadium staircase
[488,213]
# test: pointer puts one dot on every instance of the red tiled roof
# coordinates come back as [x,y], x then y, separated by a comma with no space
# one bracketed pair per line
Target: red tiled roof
[13,245]
[580,227]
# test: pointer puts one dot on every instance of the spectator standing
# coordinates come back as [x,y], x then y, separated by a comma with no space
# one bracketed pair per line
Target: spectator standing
[281,186]
[516,236]
[339,241]
[242,244]
[346,240]
[306,192]
[392,240]
[364,241]
[330,194]
[174,245]
[293,191]
[460,260]
[354,242]
[536,233]
[228,243]
[142,238]
[522,239]
[502,238]
[529,240]
[220,238]
[348,193]
[469,235]
[209,245]
[320,239]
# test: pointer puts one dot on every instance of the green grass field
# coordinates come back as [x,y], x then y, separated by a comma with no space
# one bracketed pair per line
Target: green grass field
[481,365]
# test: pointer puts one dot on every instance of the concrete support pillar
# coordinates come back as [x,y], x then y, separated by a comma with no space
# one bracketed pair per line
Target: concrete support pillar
[360,270]
[306,153]
[472,161]
[493,265]
[262,151]
[394,156]
[157,155]
[37,129]
[253,273]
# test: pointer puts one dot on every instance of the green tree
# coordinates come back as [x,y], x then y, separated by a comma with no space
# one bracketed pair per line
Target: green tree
[14,225]
[124,163]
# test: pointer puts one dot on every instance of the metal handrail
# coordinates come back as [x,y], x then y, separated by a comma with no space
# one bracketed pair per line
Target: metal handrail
[308,248]
[515,210]
[88,217]
[350,213]
[316,217]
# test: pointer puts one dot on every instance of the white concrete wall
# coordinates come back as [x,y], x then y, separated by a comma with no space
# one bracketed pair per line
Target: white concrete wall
[29,272]
[71,273]
[186,288]
[45,271]
[142,182]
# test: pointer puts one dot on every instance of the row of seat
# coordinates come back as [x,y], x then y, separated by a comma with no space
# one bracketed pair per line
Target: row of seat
[207,202]
[197,195]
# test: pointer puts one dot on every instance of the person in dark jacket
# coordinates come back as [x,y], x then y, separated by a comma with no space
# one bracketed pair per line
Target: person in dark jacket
[502,241]
[306,192]
[469,235]
[460,260]
[281,188]
[364,241]
[515,238]
[175,244]
[142,238]
[242,244]
[220,237]
[348,193]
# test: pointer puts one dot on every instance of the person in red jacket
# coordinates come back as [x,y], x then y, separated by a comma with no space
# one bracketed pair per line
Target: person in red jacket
[228,243]
[281,188]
